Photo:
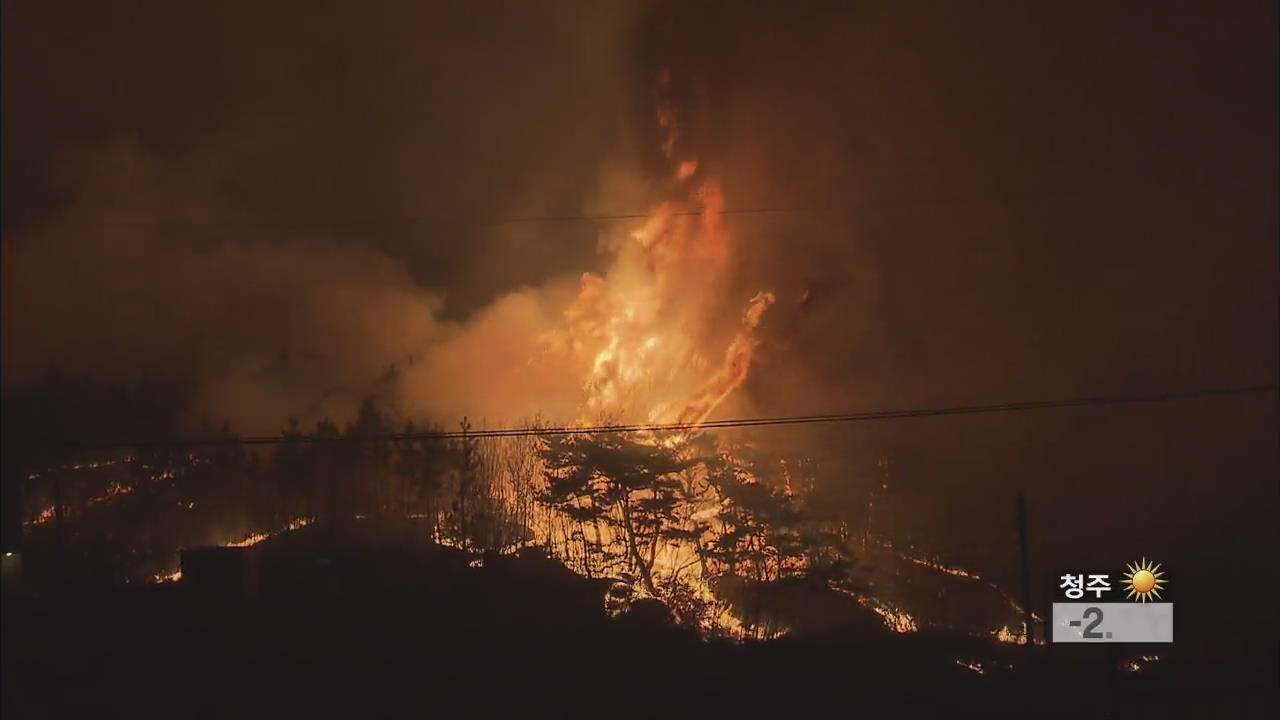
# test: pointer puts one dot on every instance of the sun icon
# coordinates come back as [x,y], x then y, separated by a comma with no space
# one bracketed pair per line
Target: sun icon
[1144,581]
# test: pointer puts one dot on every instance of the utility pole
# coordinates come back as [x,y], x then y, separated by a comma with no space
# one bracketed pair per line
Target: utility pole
[332,473]
[57,510]
[1026,569]
[878,493]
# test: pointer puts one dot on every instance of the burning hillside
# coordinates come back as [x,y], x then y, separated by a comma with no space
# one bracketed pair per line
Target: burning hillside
[725,532]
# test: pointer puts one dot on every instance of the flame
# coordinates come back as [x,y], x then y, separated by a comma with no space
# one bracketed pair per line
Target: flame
[952,571]
[668,121]
[896,619]
[255,538]
[169,577]
[48,513]
[1140,662]
[643,330]
[113,490]
[43,516]
[1009,635]
[248,541]
[646,335]
[737,364]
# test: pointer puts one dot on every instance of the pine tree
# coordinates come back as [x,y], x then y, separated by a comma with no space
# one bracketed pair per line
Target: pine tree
[290,472]
[468,459]
[628,486]
[323,468]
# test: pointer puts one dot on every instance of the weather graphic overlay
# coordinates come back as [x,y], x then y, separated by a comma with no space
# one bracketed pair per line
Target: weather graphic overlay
[1131,606]
[1144,581]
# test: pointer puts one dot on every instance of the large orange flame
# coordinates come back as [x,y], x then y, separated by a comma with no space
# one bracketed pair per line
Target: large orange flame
[642,331]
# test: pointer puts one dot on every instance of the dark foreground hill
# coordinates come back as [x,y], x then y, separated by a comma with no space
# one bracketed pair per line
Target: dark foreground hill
[360,624]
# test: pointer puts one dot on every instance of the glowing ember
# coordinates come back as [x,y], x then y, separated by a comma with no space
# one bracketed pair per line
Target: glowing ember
[44,516]
[895,619]
[1015,636]
[249,541]
[1005,634]
[1140,662]
[256,538]
[952,571]
[113,490]
[172,577]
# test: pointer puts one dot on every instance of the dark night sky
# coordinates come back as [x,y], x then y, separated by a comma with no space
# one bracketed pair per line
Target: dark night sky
[1019,201]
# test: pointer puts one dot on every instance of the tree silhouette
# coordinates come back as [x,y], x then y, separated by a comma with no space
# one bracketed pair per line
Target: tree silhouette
[630,487]
[772,543]
[289,466]
[467,452]
[409,461]
[370,456]
[322,468]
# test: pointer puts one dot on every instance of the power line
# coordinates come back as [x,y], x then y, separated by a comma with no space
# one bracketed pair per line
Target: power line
[407,221]
[638,216]
[1099,401]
